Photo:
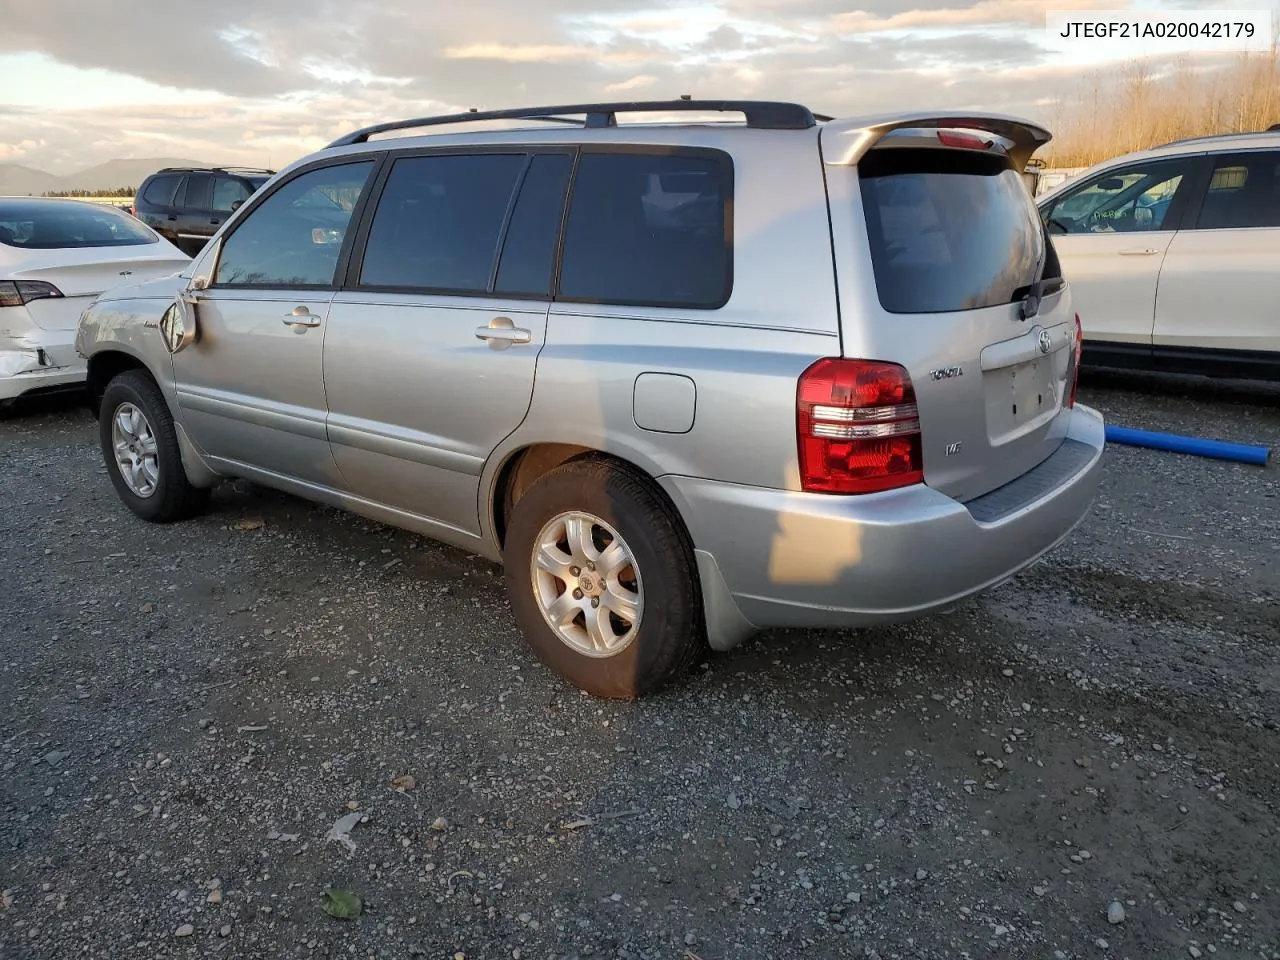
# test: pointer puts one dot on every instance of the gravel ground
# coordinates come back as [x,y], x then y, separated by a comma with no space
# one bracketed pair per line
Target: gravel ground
[1084,763]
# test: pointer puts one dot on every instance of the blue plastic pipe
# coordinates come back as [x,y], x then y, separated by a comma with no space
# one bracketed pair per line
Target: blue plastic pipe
[1217,449]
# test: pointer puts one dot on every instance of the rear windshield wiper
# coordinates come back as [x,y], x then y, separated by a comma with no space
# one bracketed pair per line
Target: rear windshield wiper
[1036,290]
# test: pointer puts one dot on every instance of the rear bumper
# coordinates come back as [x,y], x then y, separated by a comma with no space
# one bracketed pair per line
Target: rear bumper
[776,558]
[45,360]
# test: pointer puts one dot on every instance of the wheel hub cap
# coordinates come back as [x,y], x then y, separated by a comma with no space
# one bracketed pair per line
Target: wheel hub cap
[586,584]
[136,455]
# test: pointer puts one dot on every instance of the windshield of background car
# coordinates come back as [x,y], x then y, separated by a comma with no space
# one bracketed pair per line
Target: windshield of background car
[57,226]
[949,229]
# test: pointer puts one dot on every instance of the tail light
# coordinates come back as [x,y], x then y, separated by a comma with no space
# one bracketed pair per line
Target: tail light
[1073,374]
[17,293]
[858,428]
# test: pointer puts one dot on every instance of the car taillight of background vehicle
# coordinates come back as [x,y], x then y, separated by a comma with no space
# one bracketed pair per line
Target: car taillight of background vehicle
[858,427]
[1073,375]
[18,293]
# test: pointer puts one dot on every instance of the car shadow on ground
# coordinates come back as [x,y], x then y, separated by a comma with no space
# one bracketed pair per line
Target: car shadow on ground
[1180,388]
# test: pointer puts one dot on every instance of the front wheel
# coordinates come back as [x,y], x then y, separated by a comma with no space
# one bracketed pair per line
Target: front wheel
[140,446]
[602,580]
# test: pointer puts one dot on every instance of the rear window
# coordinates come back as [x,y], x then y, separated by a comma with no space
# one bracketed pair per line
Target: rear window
[950,230]
[53,226]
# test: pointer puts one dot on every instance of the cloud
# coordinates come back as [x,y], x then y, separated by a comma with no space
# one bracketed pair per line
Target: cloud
[285,77]
[983,13]
[638,82]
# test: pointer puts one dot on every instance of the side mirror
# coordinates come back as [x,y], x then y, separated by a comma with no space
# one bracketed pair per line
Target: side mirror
[178,329]
[236,205]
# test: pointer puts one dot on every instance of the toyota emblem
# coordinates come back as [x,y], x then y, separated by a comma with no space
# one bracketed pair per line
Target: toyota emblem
[1046,341]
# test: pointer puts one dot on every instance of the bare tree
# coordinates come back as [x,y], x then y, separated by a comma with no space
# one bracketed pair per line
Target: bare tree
[1137,106]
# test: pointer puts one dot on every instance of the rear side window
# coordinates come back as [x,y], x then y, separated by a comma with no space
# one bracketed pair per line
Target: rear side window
[949,229]
[439,221]
[161,189]
[649,229]
[51,225]
[1244,191]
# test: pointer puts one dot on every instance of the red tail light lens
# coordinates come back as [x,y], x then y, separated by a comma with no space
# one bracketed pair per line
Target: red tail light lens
[1073,375]
[17,293]
[858,427]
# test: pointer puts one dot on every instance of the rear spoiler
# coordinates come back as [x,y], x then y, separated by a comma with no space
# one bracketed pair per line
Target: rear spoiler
[846,141]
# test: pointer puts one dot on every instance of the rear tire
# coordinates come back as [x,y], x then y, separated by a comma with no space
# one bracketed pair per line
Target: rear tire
[140,447]
[636,620]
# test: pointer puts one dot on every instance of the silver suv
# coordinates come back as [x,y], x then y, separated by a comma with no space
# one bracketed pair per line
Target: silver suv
[686,379]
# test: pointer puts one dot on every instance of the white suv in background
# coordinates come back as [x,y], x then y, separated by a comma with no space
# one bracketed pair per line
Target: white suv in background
[1173,256]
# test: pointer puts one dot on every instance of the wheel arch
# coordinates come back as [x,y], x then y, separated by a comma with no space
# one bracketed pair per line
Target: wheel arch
[105,365]
[519,468]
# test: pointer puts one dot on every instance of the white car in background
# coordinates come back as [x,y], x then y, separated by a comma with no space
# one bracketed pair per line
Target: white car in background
[56,257]
[1173,256]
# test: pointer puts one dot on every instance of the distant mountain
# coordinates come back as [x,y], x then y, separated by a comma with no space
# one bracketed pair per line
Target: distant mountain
[16,180]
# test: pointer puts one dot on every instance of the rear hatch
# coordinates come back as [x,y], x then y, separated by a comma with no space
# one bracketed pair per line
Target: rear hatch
[938,246]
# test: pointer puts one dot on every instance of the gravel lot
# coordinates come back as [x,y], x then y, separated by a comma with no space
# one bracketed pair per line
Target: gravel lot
[189,710]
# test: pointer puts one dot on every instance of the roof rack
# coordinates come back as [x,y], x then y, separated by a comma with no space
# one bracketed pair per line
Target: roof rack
[1274,128]
[217,170]
[760,115]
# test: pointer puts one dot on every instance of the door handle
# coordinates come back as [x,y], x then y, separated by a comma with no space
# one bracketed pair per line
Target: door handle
[171,218]
[215,222]
[300,318]
[1145,252]
[501,332]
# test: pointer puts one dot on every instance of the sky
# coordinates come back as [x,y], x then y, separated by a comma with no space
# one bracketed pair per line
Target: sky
[264,82]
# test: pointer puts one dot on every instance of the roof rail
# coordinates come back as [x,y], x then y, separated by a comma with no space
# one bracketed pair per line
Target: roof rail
[760,115]
[216,170]
[1274,128]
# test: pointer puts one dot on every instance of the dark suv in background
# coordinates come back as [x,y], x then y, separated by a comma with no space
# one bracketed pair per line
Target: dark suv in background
[186,205]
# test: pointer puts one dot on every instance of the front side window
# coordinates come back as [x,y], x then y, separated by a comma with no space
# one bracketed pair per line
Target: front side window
[52,225]
[1135,199]
[293,238]
[227,192]
[1244,191]
[649,229]
[439,220]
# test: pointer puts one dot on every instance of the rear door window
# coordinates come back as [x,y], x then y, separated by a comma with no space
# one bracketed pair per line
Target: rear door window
[949,229]
[649,229]
[1244,191]
[199,192]
[438,222]
[529,250]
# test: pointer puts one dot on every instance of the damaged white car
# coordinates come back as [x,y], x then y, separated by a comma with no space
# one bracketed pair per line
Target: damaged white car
[56,257]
